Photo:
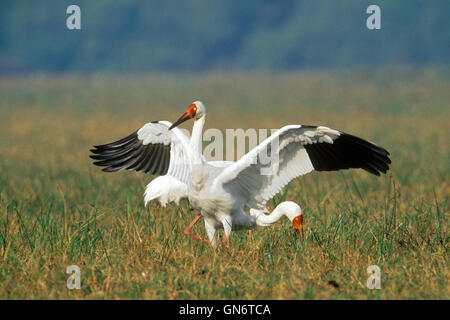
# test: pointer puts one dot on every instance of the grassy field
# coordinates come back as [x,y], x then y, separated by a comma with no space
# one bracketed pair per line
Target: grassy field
[57,209]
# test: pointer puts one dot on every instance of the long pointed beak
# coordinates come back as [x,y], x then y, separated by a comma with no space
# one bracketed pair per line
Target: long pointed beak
[182,119]
[298,225]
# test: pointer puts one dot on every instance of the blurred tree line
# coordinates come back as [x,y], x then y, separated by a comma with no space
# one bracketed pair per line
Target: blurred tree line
[187,35]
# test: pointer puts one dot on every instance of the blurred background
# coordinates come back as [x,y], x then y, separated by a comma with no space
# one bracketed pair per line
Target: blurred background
[255,64]
[198,35]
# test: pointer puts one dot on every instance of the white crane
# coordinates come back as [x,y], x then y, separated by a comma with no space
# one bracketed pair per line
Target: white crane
[220,191]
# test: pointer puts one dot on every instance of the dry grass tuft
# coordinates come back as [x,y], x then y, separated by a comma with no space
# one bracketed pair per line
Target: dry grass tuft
[57,209]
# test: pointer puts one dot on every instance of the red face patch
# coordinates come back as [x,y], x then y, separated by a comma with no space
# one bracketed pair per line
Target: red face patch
[191,110]
[297,222]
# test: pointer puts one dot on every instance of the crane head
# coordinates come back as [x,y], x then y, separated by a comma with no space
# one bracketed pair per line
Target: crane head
[195,111]
[298,225]
[294,213]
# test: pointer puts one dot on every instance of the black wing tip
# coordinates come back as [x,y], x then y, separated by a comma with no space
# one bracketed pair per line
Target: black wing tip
[378,157]
[129,153]
[95,157]
[349,152]
[111,169]
[99,164]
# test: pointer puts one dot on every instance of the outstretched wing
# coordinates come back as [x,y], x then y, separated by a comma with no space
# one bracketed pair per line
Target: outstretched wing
[293,151]
[152,149]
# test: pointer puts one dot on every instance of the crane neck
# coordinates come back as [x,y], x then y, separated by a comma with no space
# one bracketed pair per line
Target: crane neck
[289,209]
[196,141]
[263,219]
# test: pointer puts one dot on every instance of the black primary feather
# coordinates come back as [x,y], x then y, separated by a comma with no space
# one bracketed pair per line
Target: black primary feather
[131,154]
[346,152]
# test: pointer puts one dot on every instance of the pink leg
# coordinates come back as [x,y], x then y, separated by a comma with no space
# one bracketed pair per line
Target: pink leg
[226,240]
[188,230]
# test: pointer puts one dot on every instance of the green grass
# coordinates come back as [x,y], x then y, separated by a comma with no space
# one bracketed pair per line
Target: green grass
[57,209]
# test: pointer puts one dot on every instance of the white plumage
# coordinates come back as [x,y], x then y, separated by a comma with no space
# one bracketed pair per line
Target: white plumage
[169,189]
[166,189]
[221,190]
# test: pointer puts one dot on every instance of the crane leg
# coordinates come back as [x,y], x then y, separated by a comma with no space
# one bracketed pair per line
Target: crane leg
[188,230]
[211,232]
[227,227]
[226,240]
[226,232]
